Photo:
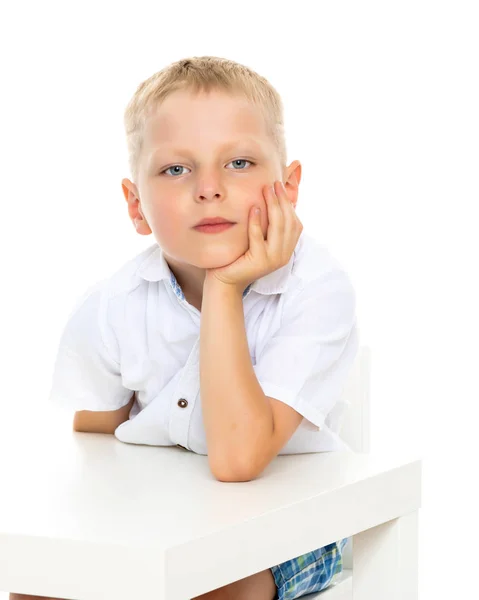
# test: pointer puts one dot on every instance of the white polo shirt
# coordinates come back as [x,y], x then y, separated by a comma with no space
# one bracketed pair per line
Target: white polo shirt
[135,332]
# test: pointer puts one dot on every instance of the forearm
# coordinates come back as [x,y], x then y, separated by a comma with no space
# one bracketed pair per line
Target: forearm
[236,414]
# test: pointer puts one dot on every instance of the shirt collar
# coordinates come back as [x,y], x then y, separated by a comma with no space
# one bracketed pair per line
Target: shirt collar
[155,268]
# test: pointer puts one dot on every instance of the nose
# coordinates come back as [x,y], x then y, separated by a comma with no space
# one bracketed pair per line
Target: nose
[210,187]
[207,196]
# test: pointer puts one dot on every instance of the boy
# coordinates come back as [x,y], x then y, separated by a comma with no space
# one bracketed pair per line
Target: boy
[235,340]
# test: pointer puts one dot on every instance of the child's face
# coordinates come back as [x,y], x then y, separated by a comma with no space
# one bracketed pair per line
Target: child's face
[189,170]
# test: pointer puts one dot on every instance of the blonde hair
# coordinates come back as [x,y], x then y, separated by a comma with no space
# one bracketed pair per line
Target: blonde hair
[198,74]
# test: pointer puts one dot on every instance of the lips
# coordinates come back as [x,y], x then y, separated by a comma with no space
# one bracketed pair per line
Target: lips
[213,221]
[218,228]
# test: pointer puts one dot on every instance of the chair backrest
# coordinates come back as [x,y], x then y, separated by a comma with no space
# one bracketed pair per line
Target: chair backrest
[355,423]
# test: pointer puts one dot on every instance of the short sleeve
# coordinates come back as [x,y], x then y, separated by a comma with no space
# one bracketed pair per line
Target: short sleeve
[86,373]
[307,361]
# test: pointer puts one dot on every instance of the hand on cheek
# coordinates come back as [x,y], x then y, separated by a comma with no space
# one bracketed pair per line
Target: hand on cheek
[273,235]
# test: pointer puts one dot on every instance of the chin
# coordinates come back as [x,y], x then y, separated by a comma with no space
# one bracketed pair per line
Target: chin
[214,258]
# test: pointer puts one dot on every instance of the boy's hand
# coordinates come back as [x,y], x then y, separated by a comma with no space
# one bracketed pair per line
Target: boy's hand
[264,255]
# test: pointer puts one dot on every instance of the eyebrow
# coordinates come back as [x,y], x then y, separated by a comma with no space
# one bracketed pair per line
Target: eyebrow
[185,152]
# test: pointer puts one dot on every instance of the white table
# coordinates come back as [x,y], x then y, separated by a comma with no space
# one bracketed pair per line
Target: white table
[84,516]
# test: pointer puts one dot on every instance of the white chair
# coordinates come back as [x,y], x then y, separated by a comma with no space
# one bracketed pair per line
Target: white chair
[86,517]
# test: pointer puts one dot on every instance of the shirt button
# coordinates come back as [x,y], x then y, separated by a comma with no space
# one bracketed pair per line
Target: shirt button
[183,403]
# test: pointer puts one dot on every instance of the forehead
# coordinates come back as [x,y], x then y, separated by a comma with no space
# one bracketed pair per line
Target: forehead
[186,120]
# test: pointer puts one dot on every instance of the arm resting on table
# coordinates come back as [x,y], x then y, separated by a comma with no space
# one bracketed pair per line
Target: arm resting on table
[95,421]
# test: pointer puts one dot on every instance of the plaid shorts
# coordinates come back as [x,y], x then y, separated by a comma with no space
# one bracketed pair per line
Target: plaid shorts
[310,572]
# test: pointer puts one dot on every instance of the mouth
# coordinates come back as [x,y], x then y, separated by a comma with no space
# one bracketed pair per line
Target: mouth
[216,228]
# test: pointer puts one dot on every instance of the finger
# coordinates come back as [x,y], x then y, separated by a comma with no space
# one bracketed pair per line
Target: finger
[275,233]
[293,227]
[257,245]
[289,217]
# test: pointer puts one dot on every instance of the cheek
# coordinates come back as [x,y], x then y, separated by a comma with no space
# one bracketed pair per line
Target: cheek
[167,222]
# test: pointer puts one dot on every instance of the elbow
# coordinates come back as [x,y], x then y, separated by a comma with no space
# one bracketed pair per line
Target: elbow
[226,466]
[228,472]
[232,477]
[227,469]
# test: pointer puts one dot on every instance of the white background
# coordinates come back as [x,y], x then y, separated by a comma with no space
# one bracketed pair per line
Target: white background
[381,104]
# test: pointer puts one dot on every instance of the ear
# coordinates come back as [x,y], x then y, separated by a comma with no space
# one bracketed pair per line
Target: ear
[291,179]
[130,191]
[132,196]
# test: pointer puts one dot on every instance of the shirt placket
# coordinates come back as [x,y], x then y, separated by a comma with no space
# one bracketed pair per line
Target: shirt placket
[184,398]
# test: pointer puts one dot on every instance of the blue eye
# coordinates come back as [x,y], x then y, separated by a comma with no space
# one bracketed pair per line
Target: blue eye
[238,160]
[174,167]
